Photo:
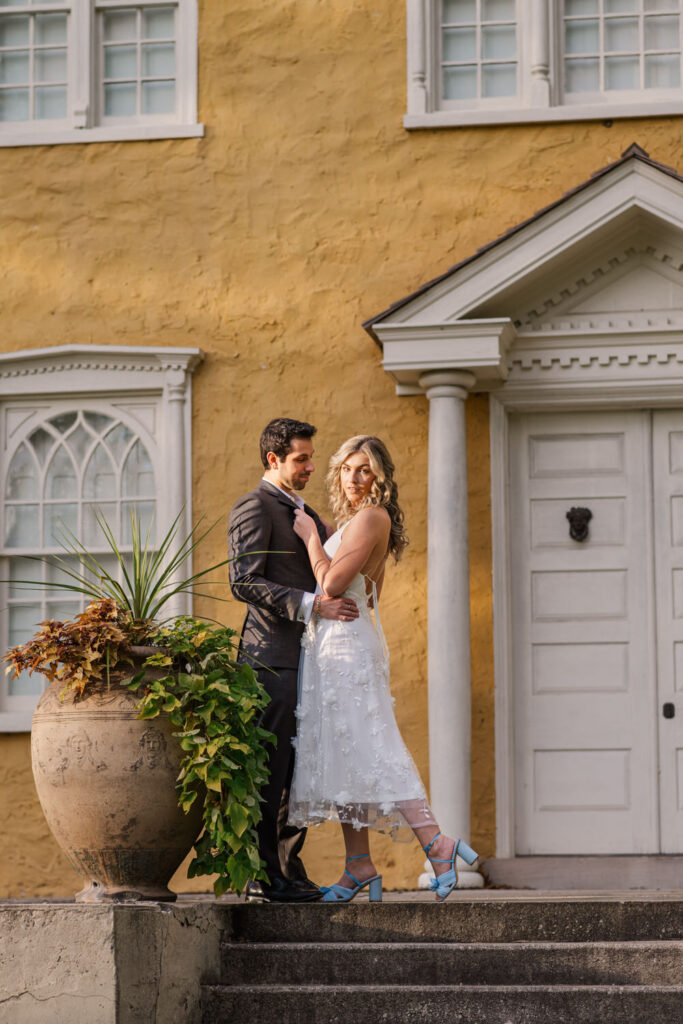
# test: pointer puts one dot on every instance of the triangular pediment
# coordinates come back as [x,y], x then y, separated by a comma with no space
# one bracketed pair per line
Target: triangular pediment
[613,247]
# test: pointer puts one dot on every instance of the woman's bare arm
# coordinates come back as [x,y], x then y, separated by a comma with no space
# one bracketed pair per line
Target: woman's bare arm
[366,535]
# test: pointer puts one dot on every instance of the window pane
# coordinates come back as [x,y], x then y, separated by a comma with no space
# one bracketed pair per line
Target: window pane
[23,623]
[158,97]
[50,65]
[498,10]
[662,5]
[622,73]
[621,34]
[100,477]
[118,440]
[41,442]
[498,41]
[460,83]
[50,28]
[120,100]
[581,7]
[61,476]
[13,30]
[620,6]
[582,75]
[120,25]
[21,526]
[23,569]
[158,23]
[13,104]
[138,475]
[92,534]
[158,59]
[499,80]
[22,478]
[53,574]
[120,61]
[459,11]
[50,101]
[663,71]
[79,441]
[14,67]
[63,422]
[62,611]
[58,520]
[459,44]
[97,421]
[661,33]
[142,510]
[581,37]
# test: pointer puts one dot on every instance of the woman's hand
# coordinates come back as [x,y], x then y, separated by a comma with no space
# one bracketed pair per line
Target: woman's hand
[304,525]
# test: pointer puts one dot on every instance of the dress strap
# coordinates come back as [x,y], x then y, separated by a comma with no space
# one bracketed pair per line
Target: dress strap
[375,610]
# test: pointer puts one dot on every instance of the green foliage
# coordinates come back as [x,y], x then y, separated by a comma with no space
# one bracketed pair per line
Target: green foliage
[78,653]
[150,573]
[214,703]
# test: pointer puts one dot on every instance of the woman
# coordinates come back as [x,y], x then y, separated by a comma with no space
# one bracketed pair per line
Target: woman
[351,763]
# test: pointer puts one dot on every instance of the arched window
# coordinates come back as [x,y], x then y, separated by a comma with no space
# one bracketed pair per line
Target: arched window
[66,469]
[85,427]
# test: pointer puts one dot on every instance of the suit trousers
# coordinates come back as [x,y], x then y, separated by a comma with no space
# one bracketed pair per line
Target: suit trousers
[280,843]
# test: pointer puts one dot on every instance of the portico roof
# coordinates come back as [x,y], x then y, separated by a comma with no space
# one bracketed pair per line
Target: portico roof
[634,153]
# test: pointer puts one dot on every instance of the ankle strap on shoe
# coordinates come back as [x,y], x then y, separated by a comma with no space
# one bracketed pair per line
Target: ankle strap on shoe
[429,845]
[358,856]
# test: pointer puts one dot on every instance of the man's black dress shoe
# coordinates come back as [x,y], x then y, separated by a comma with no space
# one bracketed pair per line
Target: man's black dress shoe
[279,890]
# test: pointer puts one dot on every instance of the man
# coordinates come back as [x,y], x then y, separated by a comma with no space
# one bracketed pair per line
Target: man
[271,572]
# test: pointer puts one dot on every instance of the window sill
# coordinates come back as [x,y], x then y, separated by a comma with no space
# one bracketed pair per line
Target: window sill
[16,721]
[108,133]
[529,115]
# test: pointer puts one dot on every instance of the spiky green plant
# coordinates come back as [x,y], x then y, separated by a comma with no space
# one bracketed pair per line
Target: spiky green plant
[213,702]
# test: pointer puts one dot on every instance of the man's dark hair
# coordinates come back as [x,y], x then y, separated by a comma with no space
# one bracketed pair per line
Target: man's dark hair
[279,434]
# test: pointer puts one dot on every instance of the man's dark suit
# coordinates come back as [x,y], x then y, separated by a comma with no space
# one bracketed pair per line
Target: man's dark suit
[272,584]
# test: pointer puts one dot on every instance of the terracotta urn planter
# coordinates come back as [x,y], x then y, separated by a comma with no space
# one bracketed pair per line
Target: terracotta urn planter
[106,783]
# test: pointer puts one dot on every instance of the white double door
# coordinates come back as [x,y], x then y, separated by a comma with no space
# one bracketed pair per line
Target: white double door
[597,630]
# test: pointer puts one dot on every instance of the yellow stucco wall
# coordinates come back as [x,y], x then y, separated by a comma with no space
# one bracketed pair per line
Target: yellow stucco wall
[305,209]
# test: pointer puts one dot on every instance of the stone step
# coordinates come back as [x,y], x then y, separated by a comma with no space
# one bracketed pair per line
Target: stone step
[442,1004]
[465,919]
[421,964]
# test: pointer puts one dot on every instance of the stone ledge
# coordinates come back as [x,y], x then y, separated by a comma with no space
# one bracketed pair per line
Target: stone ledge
[69,963]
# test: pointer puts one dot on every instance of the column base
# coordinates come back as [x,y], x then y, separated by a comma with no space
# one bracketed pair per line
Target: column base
[468,877]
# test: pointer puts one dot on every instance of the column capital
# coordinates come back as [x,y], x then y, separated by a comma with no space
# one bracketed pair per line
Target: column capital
[447,383]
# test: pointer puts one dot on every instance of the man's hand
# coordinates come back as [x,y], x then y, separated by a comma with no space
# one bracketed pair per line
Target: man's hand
[342,608]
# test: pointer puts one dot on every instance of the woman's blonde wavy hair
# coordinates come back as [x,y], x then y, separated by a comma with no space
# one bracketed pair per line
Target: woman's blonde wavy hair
[384,491]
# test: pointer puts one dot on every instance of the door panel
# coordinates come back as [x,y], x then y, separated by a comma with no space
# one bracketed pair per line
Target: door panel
[667,459]
[583,629]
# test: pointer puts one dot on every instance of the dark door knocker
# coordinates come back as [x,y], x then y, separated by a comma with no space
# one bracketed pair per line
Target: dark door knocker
[579,519]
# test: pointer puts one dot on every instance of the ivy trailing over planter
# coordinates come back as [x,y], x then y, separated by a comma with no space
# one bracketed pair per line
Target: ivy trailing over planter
[214,704]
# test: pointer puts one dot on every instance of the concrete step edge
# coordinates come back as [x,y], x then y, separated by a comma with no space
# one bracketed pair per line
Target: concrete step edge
[524,944]
[284,990]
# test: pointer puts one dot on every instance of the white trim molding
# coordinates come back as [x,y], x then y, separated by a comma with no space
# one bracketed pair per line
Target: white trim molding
[540,94]
[580,307]
[148,388]
[86,52]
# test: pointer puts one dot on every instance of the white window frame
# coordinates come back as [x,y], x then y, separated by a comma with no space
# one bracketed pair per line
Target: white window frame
[85,121]
[540,76]
[148,387]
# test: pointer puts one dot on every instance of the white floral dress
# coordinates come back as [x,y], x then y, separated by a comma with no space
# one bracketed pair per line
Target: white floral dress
[351,762]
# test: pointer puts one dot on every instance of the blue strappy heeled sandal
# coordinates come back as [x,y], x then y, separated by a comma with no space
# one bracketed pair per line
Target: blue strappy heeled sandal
[340,894]
[444,884]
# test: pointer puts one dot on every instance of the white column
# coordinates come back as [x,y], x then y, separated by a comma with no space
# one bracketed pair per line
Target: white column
[449,609]
[417,57]
[175,490]
[540,53]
